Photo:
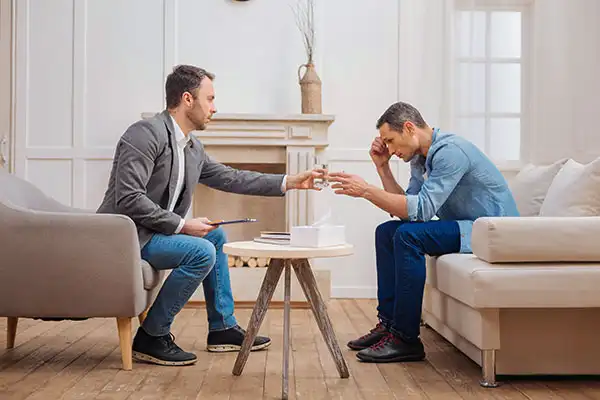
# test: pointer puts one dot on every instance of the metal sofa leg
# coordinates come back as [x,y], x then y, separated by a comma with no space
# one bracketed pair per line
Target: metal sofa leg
[488,364]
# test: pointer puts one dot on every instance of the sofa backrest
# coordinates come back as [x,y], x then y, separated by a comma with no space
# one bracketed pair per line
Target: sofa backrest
[18,192]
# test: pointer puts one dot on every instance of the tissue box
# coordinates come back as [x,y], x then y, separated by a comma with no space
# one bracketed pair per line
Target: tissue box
[317,236]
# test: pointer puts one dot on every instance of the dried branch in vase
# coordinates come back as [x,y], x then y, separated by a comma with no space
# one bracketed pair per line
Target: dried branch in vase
[304,12]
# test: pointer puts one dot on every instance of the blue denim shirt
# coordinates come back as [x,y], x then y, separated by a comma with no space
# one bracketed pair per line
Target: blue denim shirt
[456,181]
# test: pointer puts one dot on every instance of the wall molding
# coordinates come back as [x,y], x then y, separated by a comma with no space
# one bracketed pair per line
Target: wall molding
[354,292]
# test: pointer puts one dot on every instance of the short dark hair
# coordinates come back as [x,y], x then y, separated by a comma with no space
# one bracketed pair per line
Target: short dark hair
[398,113]
[184,78]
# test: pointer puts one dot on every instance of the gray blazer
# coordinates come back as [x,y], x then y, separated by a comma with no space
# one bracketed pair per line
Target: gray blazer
[140,184]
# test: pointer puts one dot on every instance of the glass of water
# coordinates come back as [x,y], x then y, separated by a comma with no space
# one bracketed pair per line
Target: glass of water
[320,162]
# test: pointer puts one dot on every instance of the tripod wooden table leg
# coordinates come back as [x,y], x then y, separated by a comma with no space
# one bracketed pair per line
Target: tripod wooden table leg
[258,314]
[308,283]
[286,330]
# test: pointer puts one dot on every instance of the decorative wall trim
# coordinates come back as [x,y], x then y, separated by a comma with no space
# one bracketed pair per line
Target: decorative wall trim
[354,292]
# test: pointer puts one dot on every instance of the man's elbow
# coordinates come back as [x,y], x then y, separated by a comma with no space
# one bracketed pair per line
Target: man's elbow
[123,204]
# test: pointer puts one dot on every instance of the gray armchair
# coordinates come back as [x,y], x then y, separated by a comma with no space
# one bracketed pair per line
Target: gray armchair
[66,263]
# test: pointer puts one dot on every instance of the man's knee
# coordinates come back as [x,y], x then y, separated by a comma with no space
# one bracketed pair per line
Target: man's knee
[386,231]
[407,234]
[203,256]
[219,237]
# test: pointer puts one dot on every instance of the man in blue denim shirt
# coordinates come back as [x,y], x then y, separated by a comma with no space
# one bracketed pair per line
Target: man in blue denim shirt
[451,179]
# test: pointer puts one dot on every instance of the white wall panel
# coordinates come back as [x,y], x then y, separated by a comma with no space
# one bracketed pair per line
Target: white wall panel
[49,72]
[96,174]
[53,177]
[360,68]
[123,66]
[253,48]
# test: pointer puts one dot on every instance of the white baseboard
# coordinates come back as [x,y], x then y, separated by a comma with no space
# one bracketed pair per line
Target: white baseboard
[354,292]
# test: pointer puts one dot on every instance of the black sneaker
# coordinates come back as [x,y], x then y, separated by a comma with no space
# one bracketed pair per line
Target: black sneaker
[392,349]
[368,340]
[231,340]
[160,350]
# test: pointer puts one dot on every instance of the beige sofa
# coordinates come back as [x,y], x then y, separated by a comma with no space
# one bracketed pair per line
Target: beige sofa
[527,301]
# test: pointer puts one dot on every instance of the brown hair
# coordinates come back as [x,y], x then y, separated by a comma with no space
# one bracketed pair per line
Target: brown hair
[398,113]
[184,78]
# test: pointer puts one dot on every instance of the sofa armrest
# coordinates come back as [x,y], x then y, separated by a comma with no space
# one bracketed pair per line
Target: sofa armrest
[69,264]
[536,239]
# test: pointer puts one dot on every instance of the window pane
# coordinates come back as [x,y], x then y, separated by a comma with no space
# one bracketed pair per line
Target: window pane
[505,34]
[470,27]
[471,87]
[505,139]
[505,88]
[472,129]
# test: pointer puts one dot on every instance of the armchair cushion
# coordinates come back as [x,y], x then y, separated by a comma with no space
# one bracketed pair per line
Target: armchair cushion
[536,239]
[151,276]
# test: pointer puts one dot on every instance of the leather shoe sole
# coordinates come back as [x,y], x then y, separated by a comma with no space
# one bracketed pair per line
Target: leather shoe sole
[401,358]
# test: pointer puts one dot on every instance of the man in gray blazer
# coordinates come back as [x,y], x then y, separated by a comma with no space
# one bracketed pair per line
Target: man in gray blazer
[157,164]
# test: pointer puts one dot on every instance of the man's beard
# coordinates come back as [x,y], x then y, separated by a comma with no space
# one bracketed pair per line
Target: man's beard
[198,125]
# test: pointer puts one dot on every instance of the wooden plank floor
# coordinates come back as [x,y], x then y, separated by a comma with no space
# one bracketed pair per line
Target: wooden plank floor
[81,360]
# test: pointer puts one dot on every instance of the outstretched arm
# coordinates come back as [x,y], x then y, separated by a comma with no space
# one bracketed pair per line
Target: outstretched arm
[449,165]
[228,179]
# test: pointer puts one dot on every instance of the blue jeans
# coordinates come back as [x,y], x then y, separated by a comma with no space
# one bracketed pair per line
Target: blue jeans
[193,260]
[400,254]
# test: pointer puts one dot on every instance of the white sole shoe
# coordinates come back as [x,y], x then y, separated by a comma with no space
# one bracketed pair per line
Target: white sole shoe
[224,348]
[149,359]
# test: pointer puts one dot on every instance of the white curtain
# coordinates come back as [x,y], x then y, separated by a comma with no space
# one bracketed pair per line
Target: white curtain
[460,63]
[428,51]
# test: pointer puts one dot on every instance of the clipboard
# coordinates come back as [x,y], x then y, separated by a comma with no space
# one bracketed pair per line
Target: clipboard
[232,221]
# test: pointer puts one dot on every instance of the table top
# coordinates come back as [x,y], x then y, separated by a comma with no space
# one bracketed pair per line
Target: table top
[255,249]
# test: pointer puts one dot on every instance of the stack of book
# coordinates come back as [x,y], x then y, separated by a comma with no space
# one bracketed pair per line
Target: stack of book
[281,238]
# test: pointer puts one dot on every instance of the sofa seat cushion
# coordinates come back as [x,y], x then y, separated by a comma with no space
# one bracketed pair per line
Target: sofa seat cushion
[519,285]
[151,276]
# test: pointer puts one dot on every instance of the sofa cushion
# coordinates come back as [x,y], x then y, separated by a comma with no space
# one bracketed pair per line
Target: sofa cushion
[536,239]
[150,275]
[531,184]
[574,191]
[482,285]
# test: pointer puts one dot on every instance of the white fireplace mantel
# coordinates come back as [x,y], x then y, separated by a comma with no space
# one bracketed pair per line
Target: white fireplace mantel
[293,140]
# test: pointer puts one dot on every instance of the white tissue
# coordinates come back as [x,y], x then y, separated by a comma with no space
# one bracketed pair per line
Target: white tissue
[324,220]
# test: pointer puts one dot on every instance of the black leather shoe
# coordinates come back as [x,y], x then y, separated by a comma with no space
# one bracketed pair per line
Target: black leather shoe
[392,349]
[160,350]
[368,340]
[232,339]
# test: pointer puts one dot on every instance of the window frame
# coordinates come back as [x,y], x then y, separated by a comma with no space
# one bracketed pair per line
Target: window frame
[525,8]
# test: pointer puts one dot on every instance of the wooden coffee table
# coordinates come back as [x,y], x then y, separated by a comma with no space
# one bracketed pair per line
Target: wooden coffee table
[284,258]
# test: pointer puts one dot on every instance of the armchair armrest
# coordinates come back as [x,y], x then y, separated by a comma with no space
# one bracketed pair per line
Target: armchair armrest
[536,239]
[69,264]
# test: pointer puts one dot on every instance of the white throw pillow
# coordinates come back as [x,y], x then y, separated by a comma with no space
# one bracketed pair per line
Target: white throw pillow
[575,191]
[530,185]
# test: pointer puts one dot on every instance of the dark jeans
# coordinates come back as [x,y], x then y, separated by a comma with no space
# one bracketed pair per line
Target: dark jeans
[401,248]
[193,260]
